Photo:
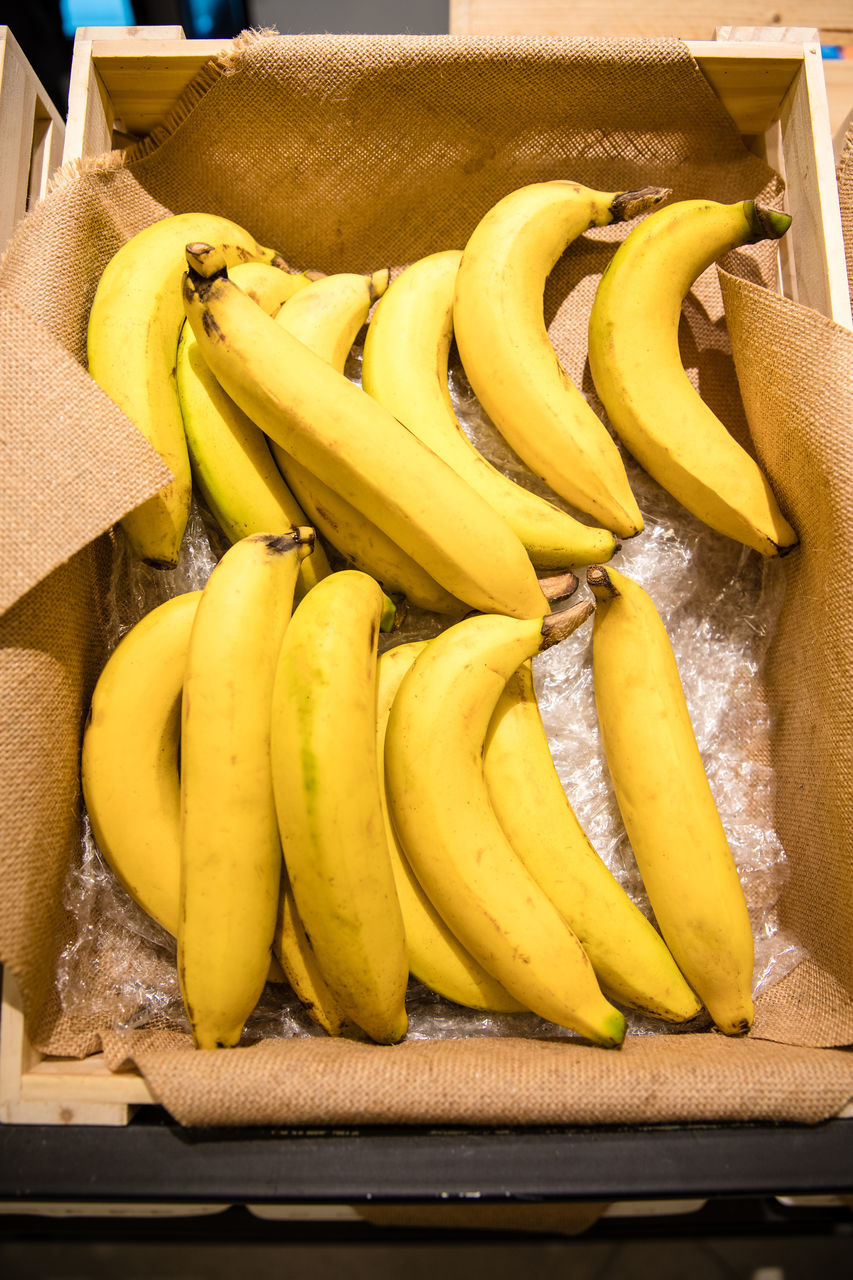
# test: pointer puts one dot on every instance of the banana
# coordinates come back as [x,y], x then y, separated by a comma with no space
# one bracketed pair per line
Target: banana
[230,457]
[448,828]
[334,429]
[230,852]
[132,337]
[129,763]
[436,957]
[631,960]
[508,357]
[327,318]
[666,801]
[299,965]
[639,375]
[404,367]
[327,797]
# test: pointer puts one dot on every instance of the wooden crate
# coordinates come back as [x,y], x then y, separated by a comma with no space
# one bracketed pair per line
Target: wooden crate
[829,22]
[32,134]
[123,83]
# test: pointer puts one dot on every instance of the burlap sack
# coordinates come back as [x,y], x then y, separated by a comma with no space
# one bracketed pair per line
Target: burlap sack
[346,153]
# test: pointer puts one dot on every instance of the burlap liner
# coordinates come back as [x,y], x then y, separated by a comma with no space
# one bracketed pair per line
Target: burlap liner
[347,153]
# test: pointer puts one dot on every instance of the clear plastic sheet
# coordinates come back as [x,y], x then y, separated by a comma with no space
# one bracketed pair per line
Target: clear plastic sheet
[719,602]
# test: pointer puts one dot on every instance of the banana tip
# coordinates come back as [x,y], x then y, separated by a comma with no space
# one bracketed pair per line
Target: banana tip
[205,260]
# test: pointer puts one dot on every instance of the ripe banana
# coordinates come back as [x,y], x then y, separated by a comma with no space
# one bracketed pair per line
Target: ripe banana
[345,438]
[230,457]
[639,375]
[299,964]
[129,765]
[508,357]
[327,797]
[448,828]
[230,852]
[132,337]
[666,801]
[327,318]
[404,367]
[436,957]
[631,960]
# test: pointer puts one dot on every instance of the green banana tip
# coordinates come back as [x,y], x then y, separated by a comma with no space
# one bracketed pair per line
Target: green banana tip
[766,223]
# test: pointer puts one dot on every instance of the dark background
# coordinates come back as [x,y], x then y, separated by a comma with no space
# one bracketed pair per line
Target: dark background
[45,28]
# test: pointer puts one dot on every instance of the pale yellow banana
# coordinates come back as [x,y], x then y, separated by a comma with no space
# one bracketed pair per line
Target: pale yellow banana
[330,425]
[132,338]
[638,372]
[230,851]
[666,801]
[327,318]
[405,368]
[508,357]
[129,765]
[445,821]
[631,960]
[230,457]
[436,956]
[327,797]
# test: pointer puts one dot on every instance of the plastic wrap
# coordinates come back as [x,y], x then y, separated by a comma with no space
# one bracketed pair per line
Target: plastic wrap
[719,602]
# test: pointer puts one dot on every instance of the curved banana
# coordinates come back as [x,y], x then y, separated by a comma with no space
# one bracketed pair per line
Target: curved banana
[129,764]
[230,852]
[327,797]
[341,435]
[639,375]
[666,802]
[299,964]
[448,828]
[436,957]
[631,960]
[230,457]
[327,318]
[507,354]
[404,367]
[132,336]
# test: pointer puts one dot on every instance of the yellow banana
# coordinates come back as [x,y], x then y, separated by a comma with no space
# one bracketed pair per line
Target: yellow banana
[448,828]
[230,457]
[666,801]
[299,964]
[404,367]
[132,338]
[327,318]
[129,763]
[629,956]
[508,357]
[436,957]
[230,851]
[341,435]
[327,796]
[639,375]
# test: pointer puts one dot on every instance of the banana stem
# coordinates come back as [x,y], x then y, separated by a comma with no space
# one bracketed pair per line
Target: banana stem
[766,223]
[559,586]
[558,626]
[630,204]
[599,582]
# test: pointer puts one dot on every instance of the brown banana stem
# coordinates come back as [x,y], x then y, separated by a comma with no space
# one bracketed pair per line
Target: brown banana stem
[558,626]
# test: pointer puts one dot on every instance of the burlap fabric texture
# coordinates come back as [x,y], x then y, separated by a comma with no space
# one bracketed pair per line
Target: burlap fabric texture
[347,153]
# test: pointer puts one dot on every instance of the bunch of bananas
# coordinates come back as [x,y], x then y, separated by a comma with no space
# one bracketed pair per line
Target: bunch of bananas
[289,796]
